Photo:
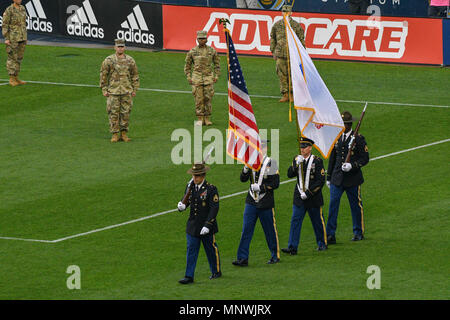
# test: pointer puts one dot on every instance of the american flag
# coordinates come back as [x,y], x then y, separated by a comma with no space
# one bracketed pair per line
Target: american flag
[243,141]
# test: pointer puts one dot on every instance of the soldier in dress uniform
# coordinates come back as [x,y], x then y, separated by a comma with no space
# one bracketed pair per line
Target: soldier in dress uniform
[347,176]
[260,203]
[14,30]
[201,226]
[310,174]
[119,81]
[278,47]
[202,70]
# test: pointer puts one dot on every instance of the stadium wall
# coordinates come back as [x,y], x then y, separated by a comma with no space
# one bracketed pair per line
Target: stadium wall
[102,21]
[342,37]
[399,8]
[446,41]
[156,26]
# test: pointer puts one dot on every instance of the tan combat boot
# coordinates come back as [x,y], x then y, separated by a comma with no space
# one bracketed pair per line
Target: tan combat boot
[208,121]
[199,122]
[124,137]
[12,81]
[115,137]
[19,81]
[285,98]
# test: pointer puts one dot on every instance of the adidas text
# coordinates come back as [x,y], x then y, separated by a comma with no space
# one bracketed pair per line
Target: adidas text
[136,36]
[81,30]
[39,25]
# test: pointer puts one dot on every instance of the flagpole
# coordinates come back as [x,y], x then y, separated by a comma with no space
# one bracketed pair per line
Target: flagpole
[289,69]
[299,134]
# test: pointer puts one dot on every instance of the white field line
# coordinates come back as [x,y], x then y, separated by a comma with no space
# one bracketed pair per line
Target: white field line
[224,94]
[224,197]
[4,84]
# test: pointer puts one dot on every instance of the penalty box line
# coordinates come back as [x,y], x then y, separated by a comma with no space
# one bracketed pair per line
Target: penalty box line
[224,197]
[224,94]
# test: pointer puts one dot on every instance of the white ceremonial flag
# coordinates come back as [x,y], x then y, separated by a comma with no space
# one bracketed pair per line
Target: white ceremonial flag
[317,112]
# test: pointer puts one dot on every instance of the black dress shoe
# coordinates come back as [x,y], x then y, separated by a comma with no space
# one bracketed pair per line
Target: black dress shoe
[215,275]
[331,240]
[357,237]
[186,280]
[273,261]
[241,262]
[322,248]
[289,250]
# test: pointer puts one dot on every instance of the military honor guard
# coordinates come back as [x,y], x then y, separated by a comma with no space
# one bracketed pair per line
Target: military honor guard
[201,226]
[119,81]
[14,30]
[260,204]
[347,176]
[202,70]
[310,174]
[278,47]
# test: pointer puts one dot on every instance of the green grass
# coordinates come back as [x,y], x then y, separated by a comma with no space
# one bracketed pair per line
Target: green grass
[61,176]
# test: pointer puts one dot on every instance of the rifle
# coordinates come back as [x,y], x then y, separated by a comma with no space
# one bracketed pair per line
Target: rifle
[191,182]
[352,142]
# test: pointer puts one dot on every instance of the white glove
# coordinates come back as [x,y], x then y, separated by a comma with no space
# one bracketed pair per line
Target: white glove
[246,169]
[299,160]
[346,167]
[303,196]
[181,206]
[204,231]
[255,187]
[328,184]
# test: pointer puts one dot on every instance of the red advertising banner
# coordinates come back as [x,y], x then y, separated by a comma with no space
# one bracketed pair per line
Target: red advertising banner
[329,36]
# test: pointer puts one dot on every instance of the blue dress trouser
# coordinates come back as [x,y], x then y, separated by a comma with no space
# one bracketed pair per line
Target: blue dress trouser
[298,214]
[268,223]
[356,206]
[193,248]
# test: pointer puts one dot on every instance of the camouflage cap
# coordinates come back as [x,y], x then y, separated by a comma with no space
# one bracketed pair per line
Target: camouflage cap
[119,43]
[286,8]
[202,34]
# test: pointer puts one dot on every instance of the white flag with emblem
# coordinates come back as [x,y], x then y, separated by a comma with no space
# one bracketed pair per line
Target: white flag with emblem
[317,112]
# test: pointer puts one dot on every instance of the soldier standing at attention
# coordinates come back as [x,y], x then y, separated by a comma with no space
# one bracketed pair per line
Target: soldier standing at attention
[14,30]
[278,47]
[347,176]
[119,81]
[310,175]
[201,75]
[202,223]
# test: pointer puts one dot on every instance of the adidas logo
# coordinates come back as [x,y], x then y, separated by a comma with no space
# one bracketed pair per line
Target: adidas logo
[137,29]
[36,19]
[83,23]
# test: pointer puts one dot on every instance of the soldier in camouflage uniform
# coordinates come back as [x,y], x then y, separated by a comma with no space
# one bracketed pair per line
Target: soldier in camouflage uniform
[119,81]
[14,30]
[278,47]
[201,75]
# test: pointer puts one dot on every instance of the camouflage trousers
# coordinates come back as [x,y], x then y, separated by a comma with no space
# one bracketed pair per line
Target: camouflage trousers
[15,52]
[203,95]
[119,109]
[283,75]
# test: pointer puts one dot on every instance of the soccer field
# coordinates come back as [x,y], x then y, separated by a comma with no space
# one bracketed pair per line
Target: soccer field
[70,197]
